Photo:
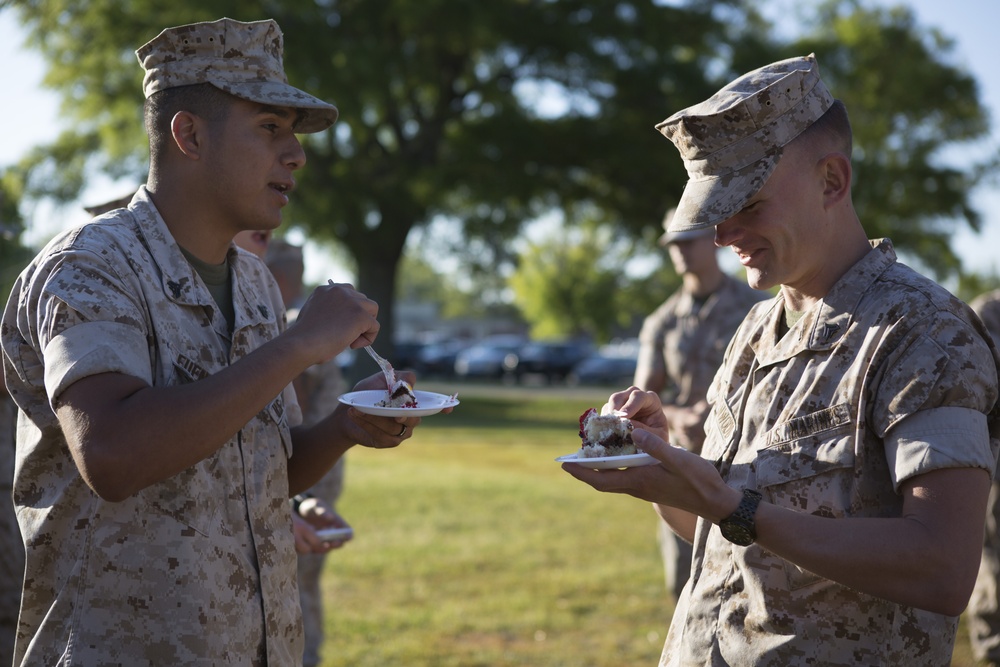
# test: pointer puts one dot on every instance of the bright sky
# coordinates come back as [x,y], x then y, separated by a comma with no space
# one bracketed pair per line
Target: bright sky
[31,115]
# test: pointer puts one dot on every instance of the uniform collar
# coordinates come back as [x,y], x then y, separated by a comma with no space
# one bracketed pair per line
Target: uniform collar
[250,302]
[180,281]
[826,323]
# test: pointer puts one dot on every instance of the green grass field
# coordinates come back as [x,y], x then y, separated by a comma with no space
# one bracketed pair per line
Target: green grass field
[474,549]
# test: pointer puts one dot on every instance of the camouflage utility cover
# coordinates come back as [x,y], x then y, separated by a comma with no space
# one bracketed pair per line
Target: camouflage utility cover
[243,59]
[731,142]
[198,569]
[887,378]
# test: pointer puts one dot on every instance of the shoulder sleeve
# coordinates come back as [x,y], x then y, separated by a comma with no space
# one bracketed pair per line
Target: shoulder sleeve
[945,363]
[88,320]
[936,405]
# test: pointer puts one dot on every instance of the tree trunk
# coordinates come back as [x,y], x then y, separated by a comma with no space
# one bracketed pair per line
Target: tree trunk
[377,280]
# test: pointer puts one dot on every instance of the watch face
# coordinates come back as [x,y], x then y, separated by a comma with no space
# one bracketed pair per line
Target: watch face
[737,533]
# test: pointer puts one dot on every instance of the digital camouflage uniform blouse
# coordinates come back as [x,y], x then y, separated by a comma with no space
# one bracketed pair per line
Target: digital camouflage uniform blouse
[198,569]
[887,378]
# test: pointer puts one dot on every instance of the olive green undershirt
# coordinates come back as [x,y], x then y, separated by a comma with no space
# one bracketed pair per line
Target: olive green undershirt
[791,317]
[219,282]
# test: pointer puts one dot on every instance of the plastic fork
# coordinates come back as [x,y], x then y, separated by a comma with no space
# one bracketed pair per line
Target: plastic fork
[390,374]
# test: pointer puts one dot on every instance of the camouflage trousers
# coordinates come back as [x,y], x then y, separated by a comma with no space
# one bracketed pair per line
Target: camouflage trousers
[311,597]
[984,607]
[676,553]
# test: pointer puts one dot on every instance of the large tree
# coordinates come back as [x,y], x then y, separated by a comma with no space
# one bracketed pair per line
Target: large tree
[918,123]
[912,112]
[439,107]
[574,282]
[491,113]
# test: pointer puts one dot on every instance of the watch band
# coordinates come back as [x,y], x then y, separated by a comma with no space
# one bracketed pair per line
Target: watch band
[297,500]
[740,527]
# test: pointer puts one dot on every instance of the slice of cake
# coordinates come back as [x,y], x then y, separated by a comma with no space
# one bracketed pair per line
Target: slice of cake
[400,395]
[605,435]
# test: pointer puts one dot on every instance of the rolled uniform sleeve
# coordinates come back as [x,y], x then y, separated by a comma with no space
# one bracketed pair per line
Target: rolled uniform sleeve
[85,331]
[90,348]
[927,441]
[934,401]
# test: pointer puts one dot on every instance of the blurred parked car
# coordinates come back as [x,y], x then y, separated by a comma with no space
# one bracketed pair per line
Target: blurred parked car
[406,354]
[493,357]
[551,360]
[605,369]
[438,359]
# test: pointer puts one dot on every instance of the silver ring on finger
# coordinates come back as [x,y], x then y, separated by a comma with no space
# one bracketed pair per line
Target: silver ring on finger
[402,432]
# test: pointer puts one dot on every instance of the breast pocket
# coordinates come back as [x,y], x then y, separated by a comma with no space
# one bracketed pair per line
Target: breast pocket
[808,466]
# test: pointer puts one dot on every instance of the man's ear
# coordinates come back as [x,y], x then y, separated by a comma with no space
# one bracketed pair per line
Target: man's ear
[836,171]
[187,131]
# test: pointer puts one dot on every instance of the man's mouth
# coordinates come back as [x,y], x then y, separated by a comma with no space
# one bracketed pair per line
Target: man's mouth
[744,256]
[282,189]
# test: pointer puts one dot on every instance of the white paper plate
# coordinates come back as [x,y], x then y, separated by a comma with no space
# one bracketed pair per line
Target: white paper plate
[608,462]
[331,534]
[428,403]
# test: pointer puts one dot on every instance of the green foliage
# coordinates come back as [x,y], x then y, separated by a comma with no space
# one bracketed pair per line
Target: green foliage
[13,255]
[458,291]
[574,283]
[915,117]
[490,114]
[563,291]
[420,281]
[972,285]
[438,114]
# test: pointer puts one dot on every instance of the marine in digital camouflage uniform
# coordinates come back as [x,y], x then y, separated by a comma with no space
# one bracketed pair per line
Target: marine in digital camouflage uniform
[984,606]
[680,348]
[152,368]
[194,545]
[837,507]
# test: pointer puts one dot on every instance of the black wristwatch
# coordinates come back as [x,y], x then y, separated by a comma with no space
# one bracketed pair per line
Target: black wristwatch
[299,499]
[739,527]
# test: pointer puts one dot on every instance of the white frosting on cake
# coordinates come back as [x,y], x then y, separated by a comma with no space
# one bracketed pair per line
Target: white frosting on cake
[400,395]
[605,435]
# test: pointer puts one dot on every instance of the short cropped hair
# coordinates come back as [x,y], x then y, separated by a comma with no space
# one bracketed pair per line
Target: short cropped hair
[833,126]
[202,99]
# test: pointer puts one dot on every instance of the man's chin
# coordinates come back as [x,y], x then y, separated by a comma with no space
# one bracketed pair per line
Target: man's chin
[758,280]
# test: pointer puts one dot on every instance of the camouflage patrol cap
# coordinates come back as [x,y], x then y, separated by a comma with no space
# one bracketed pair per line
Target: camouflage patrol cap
[669,237]
[731,142]
[243,59]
